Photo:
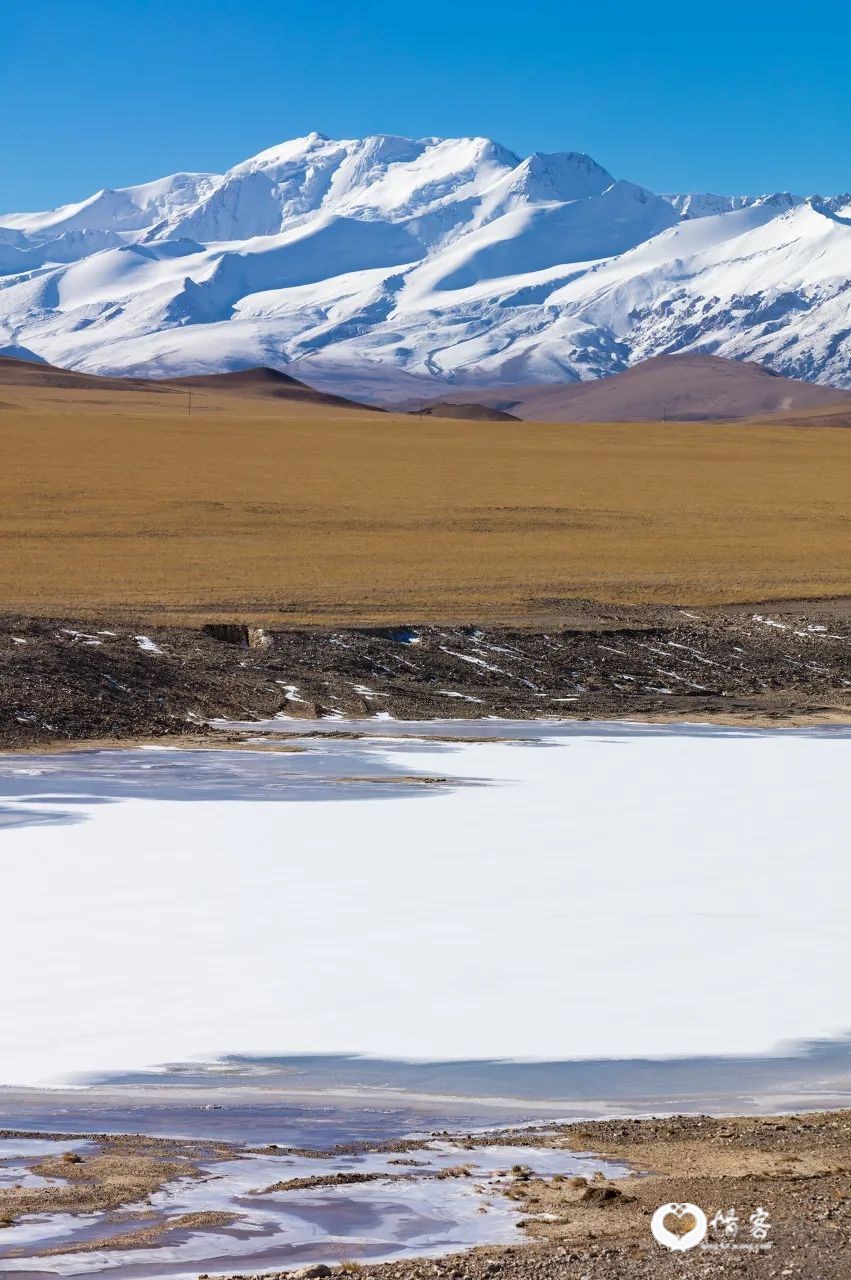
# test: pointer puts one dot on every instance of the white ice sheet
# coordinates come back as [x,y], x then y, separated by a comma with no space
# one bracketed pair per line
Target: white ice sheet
[613,895]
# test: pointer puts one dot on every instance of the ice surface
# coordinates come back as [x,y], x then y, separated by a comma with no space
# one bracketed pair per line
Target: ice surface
[581,892]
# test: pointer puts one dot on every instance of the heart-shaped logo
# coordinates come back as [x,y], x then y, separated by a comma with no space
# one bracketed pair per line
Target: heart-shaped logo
[669,1238]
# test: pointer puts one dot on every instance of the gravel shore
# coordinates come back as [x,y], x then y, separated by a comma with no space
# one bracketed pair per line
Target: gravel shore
[66,681]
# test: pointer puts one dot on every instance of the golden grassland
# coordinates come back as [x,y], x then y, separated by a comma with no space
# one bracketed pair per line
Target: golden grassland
[123,504]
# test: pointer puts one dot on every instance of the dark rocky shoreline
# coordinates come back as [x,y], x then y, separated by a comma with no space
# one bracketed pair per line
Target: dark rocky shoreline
[72,680]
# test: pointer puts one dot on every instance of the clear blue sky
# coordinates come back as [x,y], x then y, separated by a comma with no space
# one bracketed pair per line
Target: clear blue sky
[746,96]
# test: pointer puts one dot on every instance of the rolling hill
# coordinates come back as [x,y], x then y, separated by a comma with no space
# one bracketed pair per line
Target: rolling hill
[683,388]
[250,384]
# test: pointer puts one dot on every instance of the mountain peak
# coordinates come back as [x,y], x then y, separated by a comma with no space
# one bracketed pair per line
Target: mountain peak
[432,256]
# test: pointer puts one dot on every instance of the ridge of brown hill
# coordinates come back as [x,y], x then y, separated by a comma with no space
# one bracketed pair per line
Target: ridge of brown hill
[676,388]
[15,372]
[261,382]
[466,410]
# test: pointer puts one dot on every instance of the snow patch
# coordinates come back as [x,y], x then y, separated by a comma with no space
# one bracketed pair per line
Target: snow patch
[147,645]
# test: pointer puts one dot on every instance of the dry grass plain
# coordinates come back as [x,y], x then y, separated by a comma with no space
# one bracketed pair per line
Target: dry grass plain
[120,504]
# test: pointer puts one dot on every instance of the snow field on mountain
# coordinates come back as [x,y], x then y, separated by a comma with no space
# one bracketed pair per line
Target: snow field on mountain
[446,258]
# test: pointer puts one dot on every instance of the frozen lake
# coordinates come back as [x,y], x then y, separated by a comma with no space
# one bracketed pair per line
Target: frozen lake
[576,894]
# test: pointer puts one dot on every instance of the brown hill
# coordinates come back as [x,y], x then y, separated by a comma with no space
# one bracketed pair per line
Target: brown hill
[247,383]
[15,372]
[264,383]
[683,388]
[676,388]
[466,411]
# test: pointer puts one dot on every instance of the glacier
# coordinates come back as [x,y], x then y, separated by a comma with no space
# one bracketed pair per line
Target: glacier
[387,265]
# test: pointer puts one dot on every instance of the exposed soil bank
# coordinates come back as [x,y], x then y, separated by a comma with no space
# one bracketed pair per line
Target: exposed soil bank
[62,681]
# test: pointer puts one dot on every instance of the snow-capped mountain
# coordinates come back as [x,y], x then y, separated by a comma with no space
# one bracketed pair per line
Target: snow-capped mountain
[447,258]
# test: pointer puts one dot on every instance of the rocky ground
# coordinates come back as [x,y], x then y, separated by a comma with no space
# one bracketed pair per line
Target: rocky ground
[63,680]
[795,1168]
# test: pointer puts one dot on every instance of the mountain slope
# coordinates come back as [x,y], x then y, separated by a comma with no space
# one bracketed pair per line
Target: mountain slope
[451,261]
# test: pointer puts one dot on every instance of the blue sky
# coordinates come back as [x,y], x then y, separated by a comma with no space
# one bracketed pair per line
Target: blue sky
[745,97]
